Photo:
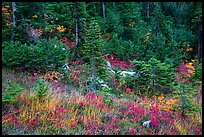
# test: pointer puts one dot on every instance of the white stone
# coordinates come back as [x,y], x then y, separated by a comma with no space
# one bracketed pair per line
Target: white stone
[146,123]
[110,69]
[65,67]
[125,73]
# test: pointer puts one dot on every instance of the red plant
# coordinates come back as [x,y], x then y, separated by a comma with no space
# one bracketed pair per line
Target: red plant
[182,72]
[64,40]
[100,106]
[132,131]
[25,121]
[128,90]
[72,44]
[81,104]
[6,117]
[28,103]
[154,121]
[16,110]
[61,110]
[73,124]
[14,119]
[119,63]
[116,119]
[90,95]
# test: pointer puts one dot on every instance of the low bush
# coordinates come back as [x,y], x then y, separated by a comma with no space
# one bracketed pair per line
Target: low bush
[143,76]
[10,93]
[44,55]
[163,76]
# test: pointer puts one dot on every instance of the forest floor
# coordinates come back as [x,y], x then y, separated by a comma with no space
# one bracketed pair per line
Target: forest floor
[32,106]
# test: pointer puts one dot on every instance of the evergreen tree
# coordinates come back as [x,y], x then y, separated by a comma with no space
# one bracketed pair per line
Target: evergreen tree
[93,48]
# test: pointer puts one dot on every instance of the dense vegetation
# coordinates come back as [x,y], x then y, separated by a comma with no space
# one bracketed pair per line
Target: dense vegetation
[55,78]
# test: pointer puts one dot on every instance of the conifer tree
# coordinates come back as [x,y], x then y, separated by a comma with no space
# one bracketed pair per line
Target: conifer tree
[93,48]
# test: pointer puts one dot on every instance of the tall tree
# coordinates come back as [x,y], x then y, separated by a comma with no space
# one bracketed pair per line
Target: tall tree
[14,19]
[148,13]
[195,22]
[114,7]
[104,9]
[76,25]
[93,48]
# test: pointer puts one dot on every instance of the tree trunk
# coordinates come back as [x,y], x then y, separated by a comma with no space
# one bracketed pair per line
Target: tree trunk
[104,9]
[76,33]
[93,74]
[14,19]
[148,17]
[114,7]
[76,26]
[156,28]
[198,35]
[94,9]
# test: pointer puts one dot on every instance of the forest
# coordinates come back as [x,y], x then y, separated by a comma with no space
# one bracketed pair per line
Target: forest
[102,68]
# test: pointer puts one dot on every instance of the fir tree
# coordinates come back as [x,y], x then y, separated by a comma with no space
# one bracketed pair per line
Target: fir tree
[93,48]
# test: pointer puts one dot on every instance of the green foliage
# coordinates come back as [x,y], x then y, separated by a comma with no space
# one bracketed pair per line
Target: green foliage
[41,88]
[106,93]
[10,93]
[152,76]
[6,22]
[38,56]
[112,23]
[163,75]
[186,97]
[15,55]
[198,72]
[93,48]
[143,75]
[53,53]
[97,84]
[159,40]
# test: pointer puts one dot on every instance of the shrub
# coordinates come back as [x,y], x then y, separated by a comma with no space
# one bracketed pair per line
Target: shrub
[10,93]
[93,48]
[188,100]
[14,54]
[143,75]
[45,55]
[198,71]
[41,88]
[163,75]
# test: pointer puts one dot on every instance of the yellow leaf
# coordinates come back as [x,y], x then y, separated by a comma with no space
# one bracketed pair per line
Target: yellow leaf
[34,16]
[189,49]
[189,65]
[168,102]
[174,101]
[160,98]
[160,107]
[191,71]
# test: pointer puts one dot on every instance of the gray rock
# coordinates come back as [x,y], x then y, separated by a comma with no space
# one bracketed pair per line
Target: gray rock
[65,67]
[146,123]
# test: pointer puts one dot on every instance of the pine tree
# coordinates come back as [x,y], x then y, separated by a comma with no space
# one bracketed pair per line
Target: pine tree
[93,48]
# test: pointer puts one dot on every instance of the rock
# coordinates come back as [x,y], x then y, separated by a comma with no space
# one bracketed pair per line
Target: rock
[146,123]
[65,67]
[97,82]
[125,73]
[110,69]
